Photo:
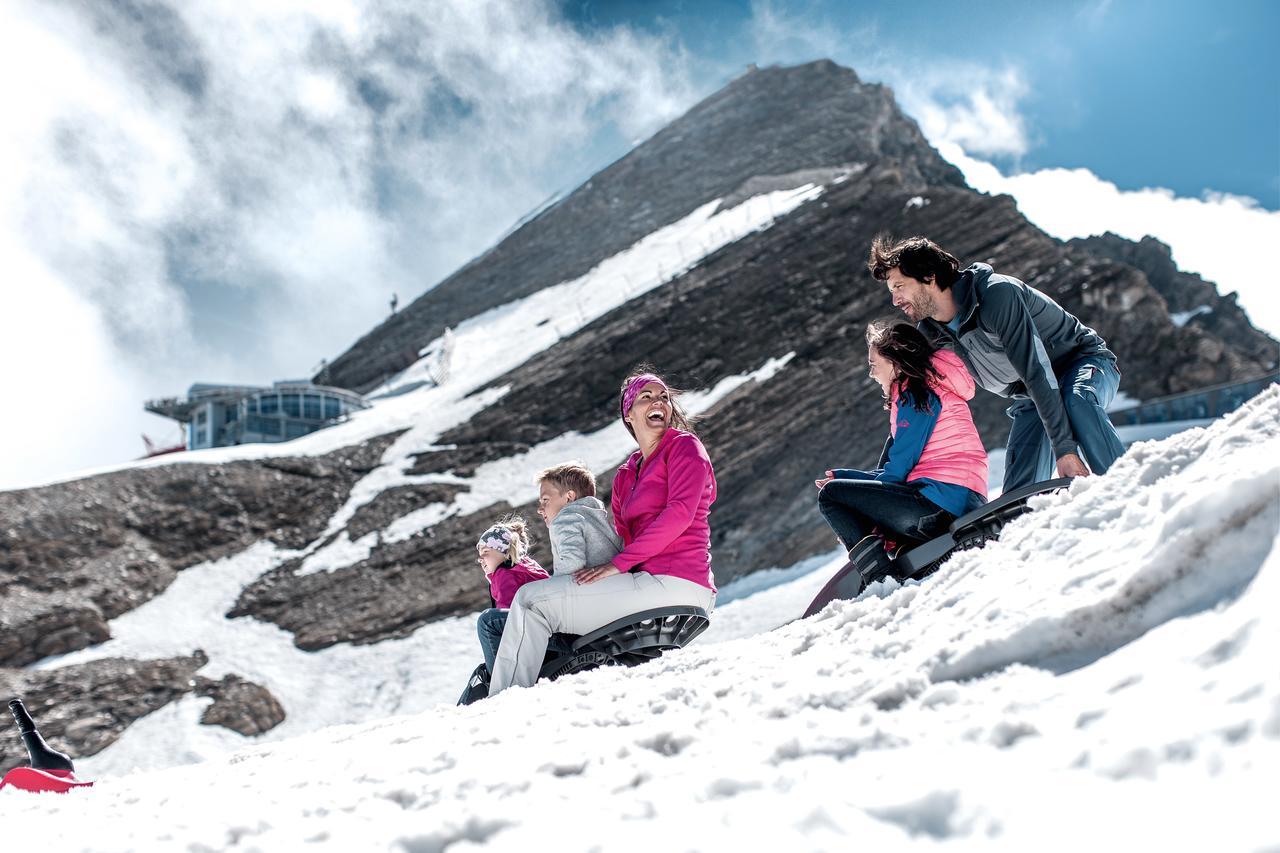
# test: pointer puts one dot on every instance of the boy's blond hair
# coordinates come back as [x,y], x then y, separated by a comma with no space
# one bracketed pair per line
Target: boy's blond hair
[570,475]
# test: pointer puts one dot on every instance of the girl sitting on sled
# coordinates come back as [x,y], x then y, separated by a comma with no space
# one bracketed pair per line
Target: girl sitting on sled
[933,468]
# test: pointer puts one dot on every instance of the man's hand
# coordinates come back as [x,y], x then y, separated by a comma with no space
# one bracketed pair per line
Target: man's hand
[1071,466]
[591,574]
[827,479]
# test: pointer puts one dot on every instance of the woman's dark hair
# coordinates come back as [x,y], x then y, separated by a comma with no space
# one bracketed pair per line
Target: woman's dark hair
[911,355]
[917,257]
[679,419]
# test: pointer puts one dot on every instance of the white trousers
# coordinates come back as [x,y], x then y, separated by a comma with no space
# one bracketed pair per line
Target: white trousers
[558,605]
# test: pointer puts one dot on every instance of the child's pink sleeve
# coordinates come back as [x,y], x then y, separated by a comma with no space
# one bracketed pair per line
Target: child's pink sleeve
[502,586]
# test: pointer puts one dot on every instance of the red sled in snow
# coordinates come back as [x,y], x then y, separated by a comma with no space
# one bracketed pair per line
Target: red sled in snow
[31,779]
[50,770]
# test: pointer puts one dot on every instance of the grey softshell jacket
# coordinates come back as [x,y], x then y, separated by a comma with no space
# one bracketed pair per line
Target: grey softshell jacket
[1017,342]
[581,536]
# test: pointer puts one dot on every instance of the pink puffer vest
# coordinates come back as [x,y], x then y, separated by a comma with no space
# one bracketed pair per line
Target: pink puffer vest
[954,452]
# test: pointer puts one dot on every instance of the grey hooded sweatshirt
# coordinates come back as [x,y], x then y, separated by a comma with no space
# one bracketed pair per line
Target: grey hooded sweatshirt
[1017,342]
[581,536]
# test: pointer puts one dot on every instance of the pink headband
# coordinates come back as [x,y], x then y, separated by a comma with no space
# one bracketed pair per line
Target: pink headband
[633,389]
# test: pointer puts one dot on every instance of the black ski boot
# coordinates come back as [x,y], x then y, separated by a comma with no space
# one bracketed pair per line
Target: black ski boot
[477,686]
[867,564]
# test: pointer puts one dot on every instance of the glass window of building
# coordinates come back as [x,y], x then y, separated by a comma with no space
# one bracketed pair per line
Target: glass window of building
[332,407]
[291,404]
[269,404]
[311,407]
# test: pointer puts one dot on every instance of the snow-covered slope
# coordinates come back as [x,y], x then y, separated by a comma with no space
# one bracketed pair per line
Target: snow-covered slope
[1104,676]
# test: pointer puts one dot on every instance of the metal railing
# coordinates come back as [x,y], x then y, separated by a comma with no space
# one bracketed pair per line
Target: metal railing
[1201,404]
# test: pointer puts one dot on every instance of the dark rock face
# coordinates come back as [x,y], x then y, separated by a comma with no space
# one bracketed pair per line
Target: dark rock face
[1187,294]
[399,588]
[74,555]
[239,705]
[463,461]
[395,503]
[770,122]
[82,709]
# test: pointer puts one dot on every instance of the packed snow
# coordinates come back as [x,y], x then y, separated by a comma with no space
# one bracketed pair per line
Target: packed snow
[1181,318]
[1103,676]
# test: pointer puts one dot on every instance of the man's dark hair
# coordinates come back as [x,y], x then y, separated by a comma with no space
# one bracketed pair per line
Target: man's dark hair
[916,257]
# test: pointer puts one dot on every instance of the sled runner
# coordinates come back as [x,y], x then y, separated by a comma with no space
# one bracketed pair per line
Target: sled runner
[629,641]
[972,530]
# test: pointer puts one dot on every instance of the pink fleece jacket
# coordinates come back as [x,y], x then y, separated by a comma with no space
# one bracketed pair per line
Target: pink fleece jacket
[505,580]
[954,452]
[660,510]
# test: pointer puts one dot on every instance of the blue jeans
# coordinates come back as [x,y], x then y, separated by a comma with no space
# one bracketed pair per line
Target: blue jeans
[489,626]
[853,508]
[1088,387]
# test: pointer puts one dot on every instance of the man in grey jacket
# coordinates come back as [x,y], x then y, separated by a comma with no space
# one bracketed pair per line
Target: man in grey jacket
[577,522]
[1018,343]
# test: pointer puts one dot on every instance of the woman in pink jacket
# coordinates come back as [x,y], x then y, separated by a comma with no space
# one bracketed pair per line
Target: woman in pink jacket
[661,498]
[933,468]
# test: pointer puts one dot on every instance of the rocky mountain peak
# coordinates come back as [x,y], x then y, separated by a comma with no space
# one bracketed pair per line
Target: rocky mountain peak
[1191,300]
[766,123]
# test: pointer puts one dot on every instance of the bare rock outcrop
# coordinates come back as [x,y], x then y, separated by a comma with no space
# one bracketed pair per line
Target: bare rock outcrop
[1191,300]
[75,555]
[239,705]
[82,709]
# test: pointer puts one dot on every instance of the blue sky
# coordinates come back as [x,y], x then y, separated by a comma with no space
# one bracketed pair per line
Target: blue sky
[1176,94]
[232,192]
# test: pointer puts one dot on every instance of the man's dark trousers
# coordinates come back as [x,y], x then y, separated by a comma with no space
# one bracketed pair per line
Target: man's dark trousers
[1088,387]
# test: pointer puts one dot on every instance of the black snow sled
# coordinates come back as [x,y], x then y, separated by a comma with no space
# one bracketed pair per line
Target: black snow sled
[629,641]
[917,560]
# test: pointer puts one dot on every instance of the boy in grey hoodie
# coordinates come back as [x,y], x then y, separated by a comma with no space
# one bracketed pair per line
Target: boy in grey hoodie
[577,522]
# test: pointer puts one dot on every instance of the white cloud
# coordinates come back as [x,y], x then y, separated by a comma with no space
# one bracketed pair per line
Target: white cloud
[970,103]
[794,34]
[231,192]
[971,106]
[1219,236]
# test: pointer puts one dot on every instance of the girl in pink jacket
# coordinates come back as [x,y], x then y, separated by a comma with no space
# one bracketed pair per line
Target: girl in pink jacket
[933,468]
[503,554]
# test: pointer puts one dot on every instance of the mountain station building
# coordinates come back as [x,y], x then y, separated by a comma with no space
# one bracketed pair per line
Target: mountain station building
[225,415]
